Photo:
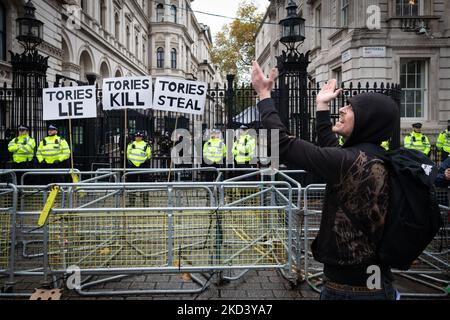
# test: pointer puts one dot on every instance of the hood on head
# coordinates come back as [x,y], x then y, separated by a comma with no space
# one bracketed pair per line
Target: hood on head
[375,117]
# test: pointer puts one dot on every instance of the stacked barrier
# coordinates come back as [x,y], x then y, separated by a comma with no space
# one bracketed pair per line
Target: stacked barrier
[220,229]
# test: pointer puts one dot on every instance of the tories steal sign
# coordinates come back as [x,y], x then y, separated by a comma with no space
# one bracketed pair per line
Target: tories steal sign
[127,93]
[180,96]
[69,103]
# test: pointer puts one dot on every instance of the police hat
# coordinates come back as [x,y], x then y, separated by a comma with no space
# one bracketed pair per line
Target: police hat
[52,127]
[214,131]
[139,134]
[417,125]
[244,127]
[22,128]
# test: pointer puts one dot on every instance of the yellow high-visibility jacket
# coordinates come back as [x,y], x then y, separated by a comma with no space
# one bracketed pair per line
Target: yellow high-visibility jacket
[138,152]
[22,148]
[215,150]
[53,148]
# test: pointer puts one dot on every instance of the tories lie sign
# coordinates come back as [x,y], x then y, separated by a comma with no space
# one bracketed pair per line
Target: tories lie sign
[127,93]
[180,96]
[69,103]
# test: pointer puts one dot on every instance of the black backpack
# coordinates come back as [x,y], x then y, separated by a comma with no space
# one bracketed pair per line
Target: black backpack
[414,216]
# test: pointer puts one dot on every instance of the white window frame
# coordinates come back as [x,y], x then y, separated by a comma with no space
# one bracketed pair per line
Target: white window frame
[421,4]
[425,91]
[347,11]
[318,23]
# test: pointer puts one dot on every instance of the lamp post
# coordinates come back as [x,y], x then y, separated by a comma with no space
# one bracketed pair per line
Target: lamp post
[292,66]
[29,70]
[29,28]
[292,28]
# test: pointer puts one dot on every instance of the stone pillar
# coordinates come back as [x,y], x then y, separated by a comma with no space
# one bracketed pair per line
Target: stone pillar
[152,52]
[167,52]
[167,10]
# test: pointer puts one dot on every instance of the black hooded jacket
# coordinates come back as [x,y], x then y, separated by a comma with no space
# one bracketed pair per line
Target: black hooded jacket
[357,189]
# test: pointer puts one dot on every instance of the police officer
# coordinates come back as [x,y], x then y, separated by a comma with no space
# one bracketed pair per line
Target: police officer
[417,141]
[443,142]
[138,155]
[244,149]
[22,148]
[53,153]
[214,152]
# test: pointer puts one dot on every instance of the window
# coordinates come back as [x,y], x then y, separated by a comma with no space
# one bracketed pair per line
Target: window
[78,135]
[159,12]
[337,74]
[136,51]
[344,12]
[407,7]
[2,32]
[144,52]
[128,37]
[160,58]
[173,58]
[84,5]
[103,13]
[318,22]
[117,27]
[173,14]
[414,88]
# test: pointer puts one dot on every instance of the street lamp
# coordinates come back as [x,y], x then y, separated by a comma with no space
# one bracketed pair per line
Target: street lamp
[292,28]
[29,28]
[293,75]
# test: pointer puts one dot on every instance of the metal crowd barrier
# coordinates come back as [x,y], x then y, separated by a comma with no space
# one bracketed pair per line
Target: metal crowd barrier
[433,261]
[203,228]
[171,239]
[8,202]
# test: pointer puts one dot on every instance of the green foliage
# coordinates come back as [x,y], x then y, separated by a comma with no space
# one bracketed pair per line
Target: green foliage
[234,46]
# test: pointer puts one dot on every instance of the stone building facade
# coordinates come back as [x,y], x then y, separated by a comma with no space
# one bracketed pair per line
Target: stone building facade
[114,38]
[411,47]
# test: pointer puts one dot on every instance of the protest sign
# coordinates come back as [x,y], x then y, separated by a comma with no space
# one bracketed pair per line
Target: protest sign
[127,93]
[180,95]
[69,103]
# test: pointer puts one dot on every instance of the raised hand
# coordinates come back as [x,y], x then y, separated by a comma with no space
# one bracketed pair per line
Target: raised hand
[263,85]
[327,94]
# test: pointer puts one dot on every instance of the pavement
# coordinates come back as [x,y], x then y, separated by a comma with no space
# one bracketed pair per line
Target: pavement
[255,285]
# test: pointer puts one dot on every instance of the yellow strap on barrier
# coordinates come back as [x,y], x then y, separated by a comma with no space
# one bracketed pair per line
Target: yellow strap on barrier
[75,178]
[48,206]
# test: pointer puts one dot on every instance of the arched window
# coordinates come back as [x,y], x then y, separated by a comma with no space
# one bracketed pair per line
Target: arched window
[2,32]
[173,14]
[173,58]
[160,58]
[159,12]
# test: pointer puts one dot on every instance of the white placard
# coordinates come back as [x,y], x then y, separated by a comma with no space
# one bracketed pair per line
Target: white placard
[69,103]
[374,52]
[180,95]
[347,55]
[127,93]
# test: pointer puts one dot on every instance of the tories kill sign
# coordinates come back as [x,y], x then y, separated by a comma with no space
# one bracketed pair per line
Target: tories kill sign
[69,103]
[127,93]
[180,96]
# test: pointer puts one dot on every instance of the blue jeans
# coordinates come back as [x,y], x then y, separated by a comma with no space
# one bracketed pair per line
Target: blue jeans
[386,293]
